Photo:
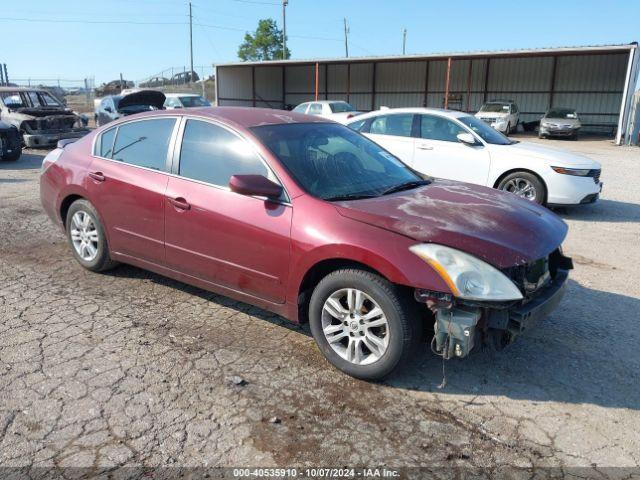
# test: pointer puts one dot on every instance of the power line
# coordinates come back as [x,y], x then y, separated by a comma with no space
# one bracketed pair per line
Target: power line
[105,22]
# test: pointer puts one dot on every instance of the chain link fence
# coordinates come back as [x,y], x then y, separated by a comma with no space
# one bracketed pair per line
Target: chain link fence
[80,95]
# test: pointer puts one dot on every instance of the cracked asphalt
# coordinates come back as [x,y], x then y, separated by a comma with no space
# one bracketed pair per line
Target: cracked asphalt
[130,368]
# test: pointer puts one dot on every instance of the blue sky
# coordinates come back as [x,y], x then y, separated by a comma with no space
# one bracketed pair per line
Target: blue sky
[70,45]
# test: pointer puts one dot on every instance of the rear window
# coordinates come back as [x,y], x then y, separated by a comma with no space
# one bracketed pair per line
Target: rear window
[340,107]
[194,102]
[144,143]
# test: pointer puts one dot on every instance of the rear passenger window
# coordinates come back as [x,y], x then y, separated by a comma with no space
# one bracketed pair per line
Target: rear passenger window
[399,125]
[212,154]
[144,143]
[106,143]
[315,109]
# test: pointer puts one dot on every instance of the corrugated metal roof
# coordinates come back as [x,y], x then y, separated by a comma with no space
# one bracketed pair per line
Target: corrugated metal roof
[580,50]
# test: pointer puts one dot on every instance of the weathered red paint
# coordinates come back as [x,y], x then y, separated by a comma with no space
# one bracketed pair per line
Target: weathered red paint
[259,251]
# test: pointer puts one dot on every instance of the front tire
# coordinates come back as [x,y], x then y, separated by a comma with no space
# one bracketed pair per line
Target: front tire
[363,324]
[525,185]
[13,156]
[87,238]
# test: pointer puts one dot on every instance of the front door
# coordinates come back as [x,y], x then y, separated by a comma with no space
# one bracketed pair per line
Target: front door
[439,153]
[127,185]
[217,235]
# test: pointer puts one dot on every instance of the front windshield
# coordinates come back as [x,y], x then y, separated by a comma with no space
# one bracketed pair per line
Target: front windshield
[562,113]
[485,132]
[194,102]
[332,162]
[340,107]
[495,108]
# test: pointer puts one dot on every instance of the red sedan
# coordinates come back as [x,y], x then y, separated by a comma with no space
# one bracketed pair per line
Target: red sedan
[311,220]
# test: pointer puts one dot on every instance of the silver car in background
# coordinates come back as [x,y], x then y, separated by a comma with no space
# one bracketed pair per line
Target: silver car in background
[560,122]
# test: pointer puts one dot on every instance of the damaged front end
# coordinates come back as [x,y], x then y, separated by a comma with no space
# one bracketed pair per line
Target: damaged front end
[462,325]
[45,128]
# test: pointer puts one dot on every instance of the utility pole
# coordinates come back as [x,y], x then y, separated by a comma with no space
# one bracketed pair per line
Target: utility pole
[191,42]
[284,28]
[404,41]
[346,39]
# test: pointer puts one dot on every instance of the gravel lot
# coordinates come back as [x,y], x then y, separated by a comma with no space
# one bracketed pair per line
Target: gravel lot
[130,368]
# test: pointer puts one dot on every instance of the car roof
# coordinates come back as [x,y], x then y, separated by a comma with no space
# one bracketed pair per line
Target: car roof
[244,117]
[176,95]
[392,111]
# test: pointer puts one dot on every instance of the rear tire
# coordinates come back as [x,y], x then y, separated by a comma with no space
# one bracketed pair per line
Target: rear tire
[393,333]
[525,185]
[87,237]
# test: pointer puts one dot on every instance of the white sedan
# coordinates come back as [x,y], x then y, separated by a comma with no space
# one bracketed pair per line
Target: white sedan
[336,110]
[458,146]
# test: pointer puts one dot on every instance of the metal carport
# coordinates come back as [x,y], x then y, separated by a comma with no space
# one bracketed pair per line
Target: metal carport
[596,80]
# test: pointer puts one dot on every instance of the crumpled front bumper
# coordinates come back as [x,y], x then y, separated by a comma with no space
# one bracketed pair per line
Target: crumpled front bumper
[51,139]
[461,326]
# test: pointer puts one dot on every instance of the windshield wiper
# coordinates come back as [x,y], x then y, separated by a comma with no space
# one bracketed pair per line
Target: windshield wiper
[405,186]
[350,196]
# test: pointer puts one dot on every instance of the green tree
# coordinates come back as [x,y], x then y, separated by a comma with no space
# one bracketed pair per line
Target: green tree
[264,44]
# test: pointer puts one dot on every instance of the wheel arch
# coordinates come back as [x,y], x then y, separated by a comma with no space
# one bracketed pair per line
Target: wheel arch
[317,272]
[65,204]
[505,174]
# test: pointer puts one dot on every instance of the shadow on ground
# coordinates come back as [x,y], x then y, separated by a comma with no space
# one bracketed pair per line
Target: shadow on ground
[602,211]
[578,355]
[31,160]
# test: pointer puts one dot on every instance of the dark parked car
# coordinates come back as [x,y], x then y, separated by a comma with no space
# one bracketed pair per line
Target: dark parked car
[184,77]
[155,82]
[313,221]
[113,87]
[10,142]
[116,106]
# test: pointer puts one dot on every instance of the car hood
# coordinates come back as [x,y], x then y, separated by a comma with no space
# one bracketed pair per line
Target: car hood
[492,114]
[144,97]
[553,156]
[496,226]
[562,121]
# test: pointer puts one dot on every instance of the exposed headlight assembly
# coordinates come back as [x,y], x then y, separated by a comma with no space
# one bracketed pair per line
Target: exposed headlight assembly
[578,172]
[468,277]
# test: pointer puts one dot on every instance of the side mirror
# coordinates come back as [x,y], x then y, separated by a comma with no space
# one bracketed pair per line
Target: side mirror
[467,138]
[108,109]
[257,185]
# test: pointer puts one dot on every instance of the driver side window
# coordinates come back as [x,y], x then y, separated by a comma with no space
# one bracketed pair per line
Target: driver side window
[439,128]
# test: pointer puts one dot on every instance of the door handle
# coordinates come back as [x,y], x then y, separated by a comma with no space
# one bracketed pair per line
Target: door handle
[179,203]
[97,176]
[425,146]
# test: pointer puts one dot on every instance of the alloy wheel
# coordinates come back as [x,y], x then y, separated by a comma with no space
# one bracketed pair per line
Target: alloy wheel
[522,188]
[355,326]
[84,236]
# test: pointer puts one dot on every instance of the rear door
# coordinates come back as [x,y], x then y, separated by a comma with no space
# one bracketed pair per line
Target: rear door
[128,179]
[394,132]
[439,153]
[214,234]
